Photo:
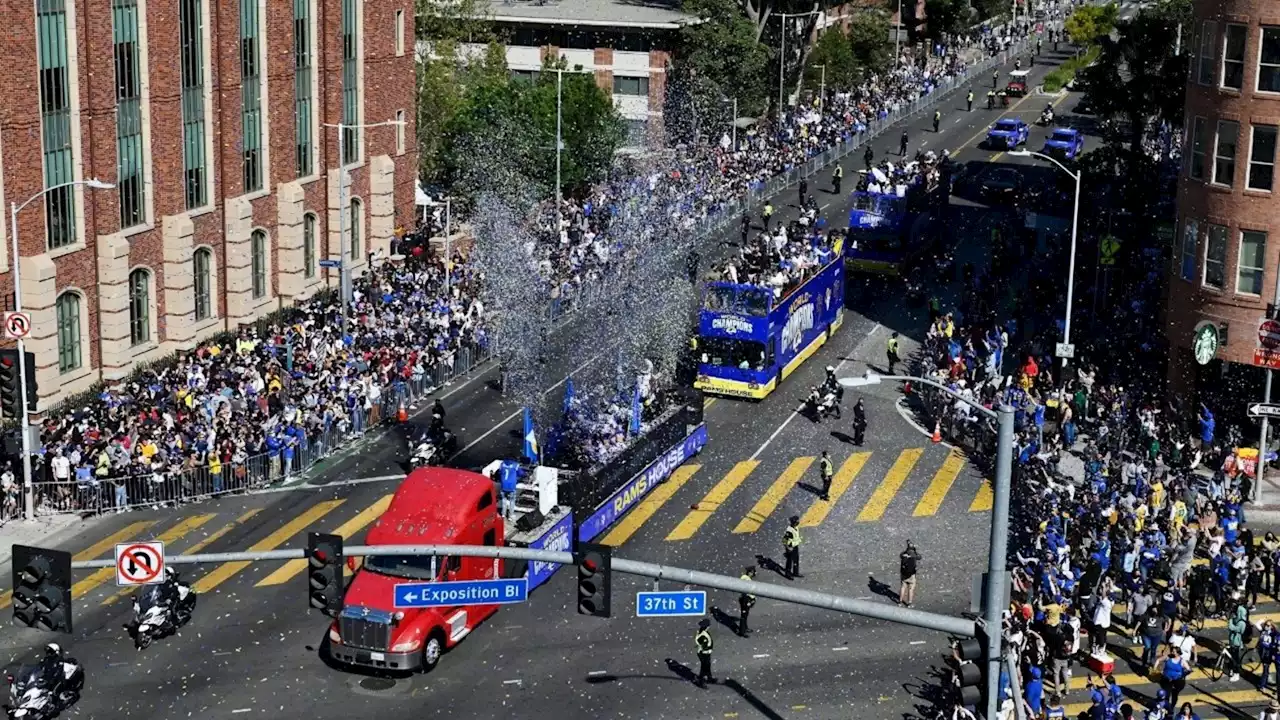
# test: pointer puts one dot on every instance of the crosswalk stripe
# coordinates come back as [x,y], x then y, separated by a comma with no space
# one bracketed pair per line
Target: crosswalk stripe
[712,500]
[98,549]
[641,513]
[774,496]
[83,586]
[213,537]
[1199,701]
[844,477]
[889,486]
[226,571]
[292,568]
[985,498]
[942,482]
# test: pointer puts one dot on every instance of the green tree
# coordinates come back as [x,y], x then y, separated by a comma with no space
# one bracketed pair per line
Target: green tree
[441,26]
[832,55]
[1088,24]
[720,59]
[947,16]
[591,129]
[869,38]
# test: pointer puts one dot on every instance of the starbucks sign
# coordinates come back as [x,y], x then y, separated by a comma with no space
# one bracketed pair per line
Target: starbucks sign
[1204,343]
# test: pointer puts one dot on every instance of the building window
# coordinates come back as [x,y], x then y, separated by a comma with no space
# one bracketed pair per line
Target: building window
[637,132]
[1233,57]
[129,145]
[1215,256]
[55,116]
[399,33]
[139,307]
[203,267]
[1262,157]
[1253,247]
[525,76]
[400,132]
[1199,128]
[258,256]
[1208,43]
[354,222]
[1224,153]
[350,90]
[1269,60]
[68,307]
[302,87]
[191,52]
[309,245]
[638,86]
[1190,238]
[250,95]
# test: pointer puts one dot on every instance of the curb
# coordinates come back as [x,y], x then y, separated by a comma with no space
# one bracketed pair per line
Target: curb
[901,406]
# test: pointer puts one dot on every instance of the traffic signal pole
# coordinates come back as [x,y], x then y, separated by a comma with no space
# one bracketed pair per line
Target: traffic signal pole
[864,608]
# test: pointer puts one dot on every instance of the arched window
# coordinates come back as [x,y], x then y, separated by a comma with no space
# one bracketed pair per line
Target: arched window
[202,267]
[69,357]
[258,253]
[357,214]
[140,306]
[309,245]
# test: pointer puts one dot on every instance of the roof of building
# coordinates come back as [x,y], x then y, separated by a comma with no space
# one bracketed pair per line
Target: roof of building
[621,14]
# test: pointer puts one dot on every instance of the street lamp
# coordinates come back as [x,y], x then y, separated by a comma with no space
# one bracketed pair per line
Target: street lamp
[1066,351]
[344,270]
[997,557]
[28,487]
[782,54]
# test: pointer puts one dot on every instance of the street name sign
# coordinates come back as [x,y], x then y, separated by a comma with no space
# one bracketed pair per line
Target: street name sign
[330,263]
[456,594]
[1260,410]
[684,603]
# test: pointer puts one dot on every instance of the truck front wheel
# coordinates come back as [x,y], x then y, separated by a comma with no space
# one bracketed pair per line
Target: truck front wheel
[432,649]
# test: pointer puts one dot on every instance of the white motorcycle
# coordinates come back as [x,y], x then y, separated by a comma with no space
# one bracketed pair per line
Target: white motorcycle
[153,618]
[29,699]
[421,453]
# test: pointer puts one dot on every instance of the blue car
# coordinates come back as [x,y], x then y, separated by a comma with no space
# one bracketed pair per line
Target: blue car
[1065,143]
[1007,134]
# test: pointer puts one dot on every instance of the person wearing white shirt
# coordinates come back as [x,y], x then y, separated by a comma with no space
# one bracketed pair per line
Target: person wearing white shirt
[1101,621]
[1185,642]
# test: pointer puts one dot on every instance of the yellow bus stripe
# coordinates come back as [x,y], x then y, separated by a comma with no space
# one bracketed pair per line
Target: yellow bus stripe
[941,484]
[292,568]
[844,478]
[985,498]
[83,586]
[774,496]
[226,571]
[97,550]
[640,514]
[710,502]
[889,486]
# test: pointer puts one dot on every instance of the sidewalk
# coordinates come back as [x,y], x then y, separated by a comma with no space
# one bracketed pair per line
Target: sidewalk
[46,531]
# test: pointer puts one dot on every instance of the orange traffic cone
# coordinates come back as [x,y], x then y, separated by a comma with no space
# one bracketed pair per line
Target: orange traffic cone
[937,432]
[402,415]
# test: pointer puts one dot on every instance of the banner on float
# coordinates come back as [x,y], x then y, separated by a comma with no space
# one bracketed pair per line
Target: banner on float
[626,497]
[558,539]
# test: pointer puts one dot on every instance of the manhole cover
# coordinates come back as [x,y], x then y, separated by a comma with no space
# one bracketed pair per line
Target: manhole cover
[377,684]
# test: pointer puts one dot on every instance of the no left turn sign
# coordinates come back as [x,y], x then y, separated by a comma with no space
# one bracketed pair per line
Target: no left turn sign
[139,563]
[17,325]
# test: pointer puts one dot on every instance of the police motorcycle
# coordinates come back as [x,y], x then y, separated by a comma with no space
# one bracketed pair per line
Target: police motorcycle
[1046,116]
[160,610]
[434,446]
[820,403]
[41,692]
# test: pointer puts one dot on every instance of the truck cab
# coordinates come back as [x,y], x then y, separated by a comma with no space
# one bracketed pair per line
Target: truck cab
[1064,143]
[1007,134]
[432,506]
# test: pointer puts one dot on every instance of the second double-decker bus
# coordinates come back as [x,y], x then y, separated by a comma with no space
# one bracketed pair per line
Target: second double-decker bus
[887,230]
[751,337]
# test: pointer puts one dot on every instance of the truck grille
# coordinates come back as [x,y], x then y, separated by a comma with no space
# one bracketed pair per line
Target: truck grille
[365,629]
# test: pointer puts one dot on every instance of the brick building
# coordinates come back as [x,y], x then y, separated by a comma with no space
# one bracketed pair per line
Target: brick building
[1224,271]
[209,117]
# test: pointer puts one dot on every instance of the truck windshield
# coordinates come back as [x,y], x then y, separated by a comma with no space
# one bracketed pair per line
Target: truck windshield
[404,566]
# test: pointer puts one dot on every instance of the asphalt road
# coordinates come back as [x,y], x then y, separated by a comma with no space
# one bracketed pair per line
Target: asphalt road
[252,648]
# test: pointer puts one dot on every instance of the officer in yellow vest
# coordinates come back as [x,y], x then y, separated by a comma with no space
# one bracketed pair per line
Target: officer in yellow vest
[791,548]
[704,645]
[891,352]
[766,215]
[746,601]
[937,120]
[969,100]
[991,99]
[827,470]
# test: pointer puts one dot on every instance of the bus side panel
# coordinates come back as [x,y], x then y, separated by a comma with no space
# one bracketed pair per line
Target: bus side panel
[800,325]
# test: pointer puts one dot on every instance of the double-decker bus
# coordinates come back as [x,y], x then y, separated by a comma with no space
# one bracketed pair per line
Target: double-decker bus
[887,230]
[751,337]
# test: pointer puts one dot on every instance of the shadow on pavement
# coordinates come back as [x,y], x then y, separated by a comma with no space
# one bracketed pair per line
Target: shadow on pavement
[881,589]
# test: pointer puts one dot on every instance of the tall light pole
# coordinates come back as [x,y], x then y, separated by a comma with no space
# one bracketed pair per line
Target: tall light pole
[897,37]
[822,86]
[782,54]
[28,487]
[448,233]
[1071,264]
[997,556]
[344,270]
[559,140]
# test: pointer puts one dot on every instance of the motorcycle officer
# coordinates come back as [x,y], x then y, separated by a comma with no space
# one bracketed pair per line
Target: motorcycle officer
[51,666]
[437,415]
[171,591]
[832,385]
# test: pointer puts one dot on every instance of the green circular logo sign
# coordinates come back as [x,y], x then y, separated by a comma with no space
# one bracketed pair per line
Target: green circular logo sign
[1204,344]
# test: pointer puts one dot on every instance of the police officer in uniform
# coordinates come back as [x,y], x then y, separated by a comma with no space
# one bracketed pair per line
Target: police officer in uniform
[859,422]
[767,215]
[746,601]
[891,352]
[804,190]
[902,144]
[704,645]
[991,99]
[837,176]
[827,470]
[746,227]
[969,100]
[937,120]
[791,548]
[995,79]
[868,156]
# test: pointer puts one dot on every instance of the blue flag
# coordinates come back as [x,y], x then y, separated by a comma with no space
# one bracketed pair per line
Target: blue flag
[530,438]
[568,395]
[635,410]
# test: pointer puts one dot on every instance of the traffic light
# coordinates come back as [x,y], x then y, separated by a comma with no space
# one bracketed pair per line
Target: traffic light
[42,588]
[594,565]
[971,671]
[324,575]
[11,382]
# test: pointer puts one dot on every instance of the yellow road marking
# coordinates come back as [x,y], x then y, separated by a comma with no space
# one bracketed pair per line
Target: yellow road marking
[774,496]
[97,550]
[226,571]
[292,568]
[712,500]
[1205,701]
[83,586]
[889,487]
[942,483]
[202,544]
[709,402]
[641,513]
[985,498]
[844,477]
